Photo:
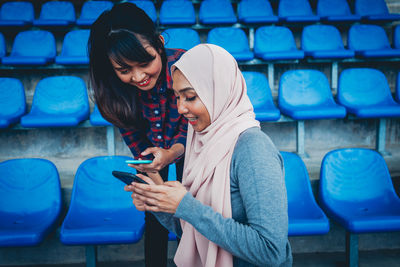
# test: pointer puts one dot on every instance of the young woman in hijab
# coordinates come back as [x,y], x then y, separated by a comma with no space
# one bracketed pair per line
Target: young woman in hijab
[231,208]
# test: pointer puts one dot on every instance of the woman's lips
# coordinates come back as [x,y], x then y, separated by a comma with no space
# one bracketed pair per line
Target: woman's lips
[144,83]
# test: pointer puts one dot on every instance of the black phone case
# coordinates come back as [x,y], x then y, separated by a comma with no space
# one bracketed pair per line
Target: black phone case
[127,177]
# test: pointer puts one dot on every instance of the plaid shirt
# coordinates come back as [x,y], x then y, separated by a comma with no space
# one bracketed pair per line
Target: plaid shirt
[158,106]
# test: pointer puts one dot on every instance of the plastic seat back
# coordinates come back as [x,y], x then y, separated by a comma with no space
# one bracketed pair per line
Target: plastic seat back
[363,87]
[58,101]
[16,13]
[100,211]
[56,13]
[91,10]
[275,42]
[216,12]
[396,37]
[12,101]
[97,119]
[74,49]
[32,47]
[3,49]
[234,40]
[256,11]
[335,10]
[148,7]
[296,11]
[321,41]
[305,216]
[306,94]
[183,38]
[352,176]
[30,201]
[177,12]
[370,41]
[260,96]
[367,37]
[398,88]
[374,10]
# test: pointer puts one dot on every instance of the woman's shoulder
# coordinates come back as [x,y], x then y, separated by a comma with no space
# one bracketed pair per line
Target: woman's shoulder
[173,54]
[253,142]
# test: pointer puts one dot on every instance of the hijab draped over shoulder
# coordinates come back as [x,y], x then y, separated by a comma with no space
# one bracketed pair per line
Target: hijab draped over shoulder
[217,80]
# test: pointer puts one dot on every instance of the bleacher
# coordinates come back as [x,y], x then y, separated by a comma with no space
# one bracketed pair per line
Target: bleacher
[324,79]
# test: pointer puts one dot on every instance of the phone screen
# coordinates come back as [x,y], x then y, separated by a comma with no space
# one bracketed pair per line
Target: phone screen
[127,177]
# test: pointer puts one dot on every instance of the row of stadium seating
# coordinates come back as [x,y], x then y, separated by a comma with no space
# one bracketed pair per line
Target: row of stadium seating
[178,12]
[62,101]
[364,202]
[38,47]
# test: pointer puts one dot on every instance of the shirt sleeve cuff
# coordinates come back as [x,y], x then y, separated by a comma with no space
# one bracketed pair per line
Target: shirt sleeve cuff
[186,207]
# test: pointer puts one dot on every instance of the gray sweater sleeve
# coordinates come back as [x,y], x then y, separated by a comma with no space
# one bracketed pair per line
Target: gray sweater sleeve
[257,170]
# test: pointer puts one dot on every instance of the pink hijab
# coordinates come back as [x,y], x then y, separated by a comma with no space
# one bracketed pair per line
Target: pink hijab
[216,78]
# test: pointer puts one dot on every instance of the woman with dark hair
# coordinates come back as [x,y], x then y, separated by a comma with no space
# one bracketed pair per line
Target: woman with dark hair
[132,86]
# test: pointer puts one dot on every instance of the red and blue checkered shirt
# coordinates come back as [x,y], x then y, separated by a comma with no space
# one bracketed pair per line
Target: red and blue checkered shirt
[158,106]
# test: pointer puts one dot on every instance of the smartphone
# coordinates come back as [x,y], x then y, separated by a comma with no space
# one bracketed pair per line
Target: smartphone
[128,177]
[138,161]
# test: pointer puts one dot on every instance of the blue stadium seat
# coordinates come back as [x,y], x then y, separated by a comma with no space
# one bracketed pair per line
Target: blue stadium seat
[58,101]
[374,10]
[216,12]
[305,216]
[296,11]
[306,94]
[12,101]
[234,40]
[260,96]
[276,43]
[74,49]
[396,37]
[3,48]
[336,11]
[91,10]
[256,11]
[323,41]
[32,47]
[100,211]
[184,38]
[56,13]
[356,191]
[30,201]
[96,119]
[177,12]
[365,92]
[370,41]
[16,14]
[148,7]
[398,88]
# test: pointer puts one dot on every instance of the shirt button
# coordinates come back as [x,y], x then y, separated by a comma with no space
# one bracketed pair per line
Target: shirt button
[158,125]
[156,111]
[159,137]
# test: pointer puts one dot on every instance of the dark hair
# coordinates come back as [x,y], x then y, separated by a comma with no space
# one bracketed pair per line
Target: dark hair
[118,33]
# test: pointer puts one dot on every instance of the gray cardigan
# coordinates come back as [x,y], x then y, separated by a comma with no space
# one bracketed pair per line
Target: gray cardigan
[256,235]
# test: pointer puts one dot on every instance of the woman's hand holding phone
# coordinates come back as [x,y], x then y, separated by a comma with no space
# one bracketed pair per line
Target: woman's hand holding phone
[156,197]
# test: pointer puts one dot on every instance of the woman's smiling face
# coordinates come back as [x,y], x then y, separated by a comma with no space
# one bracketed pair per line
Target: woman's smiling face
[189,103]
[142,75]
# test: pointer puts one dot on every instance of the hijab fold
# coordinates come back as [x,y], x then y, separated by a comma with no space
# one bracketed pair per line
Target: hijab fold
[217,80]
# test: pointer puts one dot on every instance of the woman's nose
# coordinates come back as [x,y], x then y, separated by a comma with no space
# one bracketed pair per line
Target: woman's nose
[181,107]
[137,76]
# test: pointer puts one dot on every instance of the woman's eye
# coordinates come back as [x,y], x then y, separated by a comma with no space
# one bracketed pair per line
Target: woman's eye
[124,71]
[143,65]
[191,98]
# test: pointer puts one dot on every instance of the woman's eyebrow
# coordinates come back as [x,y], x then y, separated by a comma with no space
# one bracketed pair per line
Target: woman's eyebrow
[185,89]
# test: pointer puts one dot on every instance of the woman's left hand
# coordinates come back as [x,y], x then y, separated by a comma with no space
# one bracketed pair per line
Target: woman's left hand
[157,198]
